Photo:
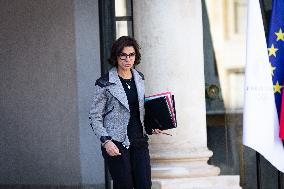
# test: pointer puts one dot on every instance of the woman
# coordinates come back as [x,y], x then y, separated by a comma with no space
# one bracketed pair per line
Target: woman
[117,118]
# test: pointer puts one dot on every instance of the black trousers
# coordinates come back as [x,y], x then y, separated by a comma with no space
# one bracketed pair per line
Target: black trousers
[132,168]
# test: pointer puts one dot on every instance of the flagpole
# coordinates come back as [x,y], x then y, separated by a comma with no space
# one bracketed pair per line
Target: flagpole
[265,23]
[257,154]
[279,179]
[258,169]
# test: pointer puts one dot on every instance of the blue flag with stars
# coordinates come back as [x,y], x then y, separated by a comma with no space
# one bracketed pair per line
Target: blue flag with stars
[276,53]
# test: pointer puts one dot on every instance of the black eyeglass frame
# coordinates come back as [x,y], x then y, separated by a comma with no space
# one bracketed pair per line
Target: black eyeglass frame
[123,56]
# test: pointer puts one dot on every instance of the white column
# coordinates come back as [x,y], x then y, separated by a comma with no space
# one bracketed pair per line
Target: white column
[171,39]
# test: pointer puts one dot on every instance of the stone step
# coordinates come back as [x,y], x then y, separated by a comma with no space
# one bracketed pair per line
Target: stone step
[213,182]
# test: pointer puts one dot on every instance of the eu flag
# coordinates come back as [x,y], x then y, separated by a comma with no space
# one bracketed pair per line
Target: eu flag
[276,57]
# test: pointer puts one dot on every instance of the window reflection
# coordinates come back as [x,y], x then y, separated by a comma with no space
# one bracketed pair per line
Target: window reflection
[123,8]
[120,8]
[236,93]
[123,28]
[227,26]
[123,17]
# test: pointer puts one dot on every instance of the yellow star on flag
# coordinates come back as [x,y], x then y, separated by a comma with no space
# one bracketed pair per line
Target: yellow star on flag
[277,87]
[280,35]
[272,69]
[272,50]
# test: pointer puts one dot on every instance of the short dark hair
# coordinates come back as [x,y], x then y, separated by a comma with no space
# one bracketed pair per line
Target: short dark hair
[119,44]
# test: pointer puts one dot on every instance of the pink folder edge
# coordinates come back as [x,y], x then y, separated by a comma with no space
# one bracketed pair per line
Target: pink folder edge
[169,101]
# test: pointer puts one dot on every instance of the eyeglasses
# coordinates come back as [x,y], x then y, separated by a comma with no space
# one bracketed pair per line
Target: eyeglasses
[123,56]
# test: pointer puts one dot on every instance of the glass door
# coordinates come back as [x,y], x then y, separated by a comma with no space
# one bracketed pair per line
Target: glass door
[116,20]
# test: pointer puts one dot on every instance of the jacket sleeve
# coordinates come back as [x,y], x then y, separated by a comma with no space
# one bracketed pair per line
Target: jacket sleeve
[97,111]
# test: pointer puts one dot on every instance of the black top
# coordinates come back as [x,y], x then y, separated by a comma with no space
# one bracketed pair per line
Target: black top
[134,127]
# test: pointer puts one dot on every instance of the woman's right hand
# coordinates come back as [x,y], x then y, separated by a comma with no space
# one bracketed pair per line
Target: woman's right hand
[112,149]
[158,132]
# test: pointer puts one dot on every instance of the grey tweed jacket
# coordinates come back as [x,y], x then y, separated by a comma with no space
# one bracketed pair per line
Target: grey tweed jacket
[110,112]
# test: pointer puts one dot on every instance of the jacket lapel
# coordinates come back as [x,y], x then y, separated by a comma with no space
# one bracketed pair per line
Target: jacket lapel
[117,89]
[140,91]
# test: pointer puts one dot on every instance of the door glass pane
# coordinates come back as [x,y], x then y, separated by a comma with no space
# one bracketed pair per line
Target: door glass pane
[224,64]
[122,7]
[236,91]
[123,28]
